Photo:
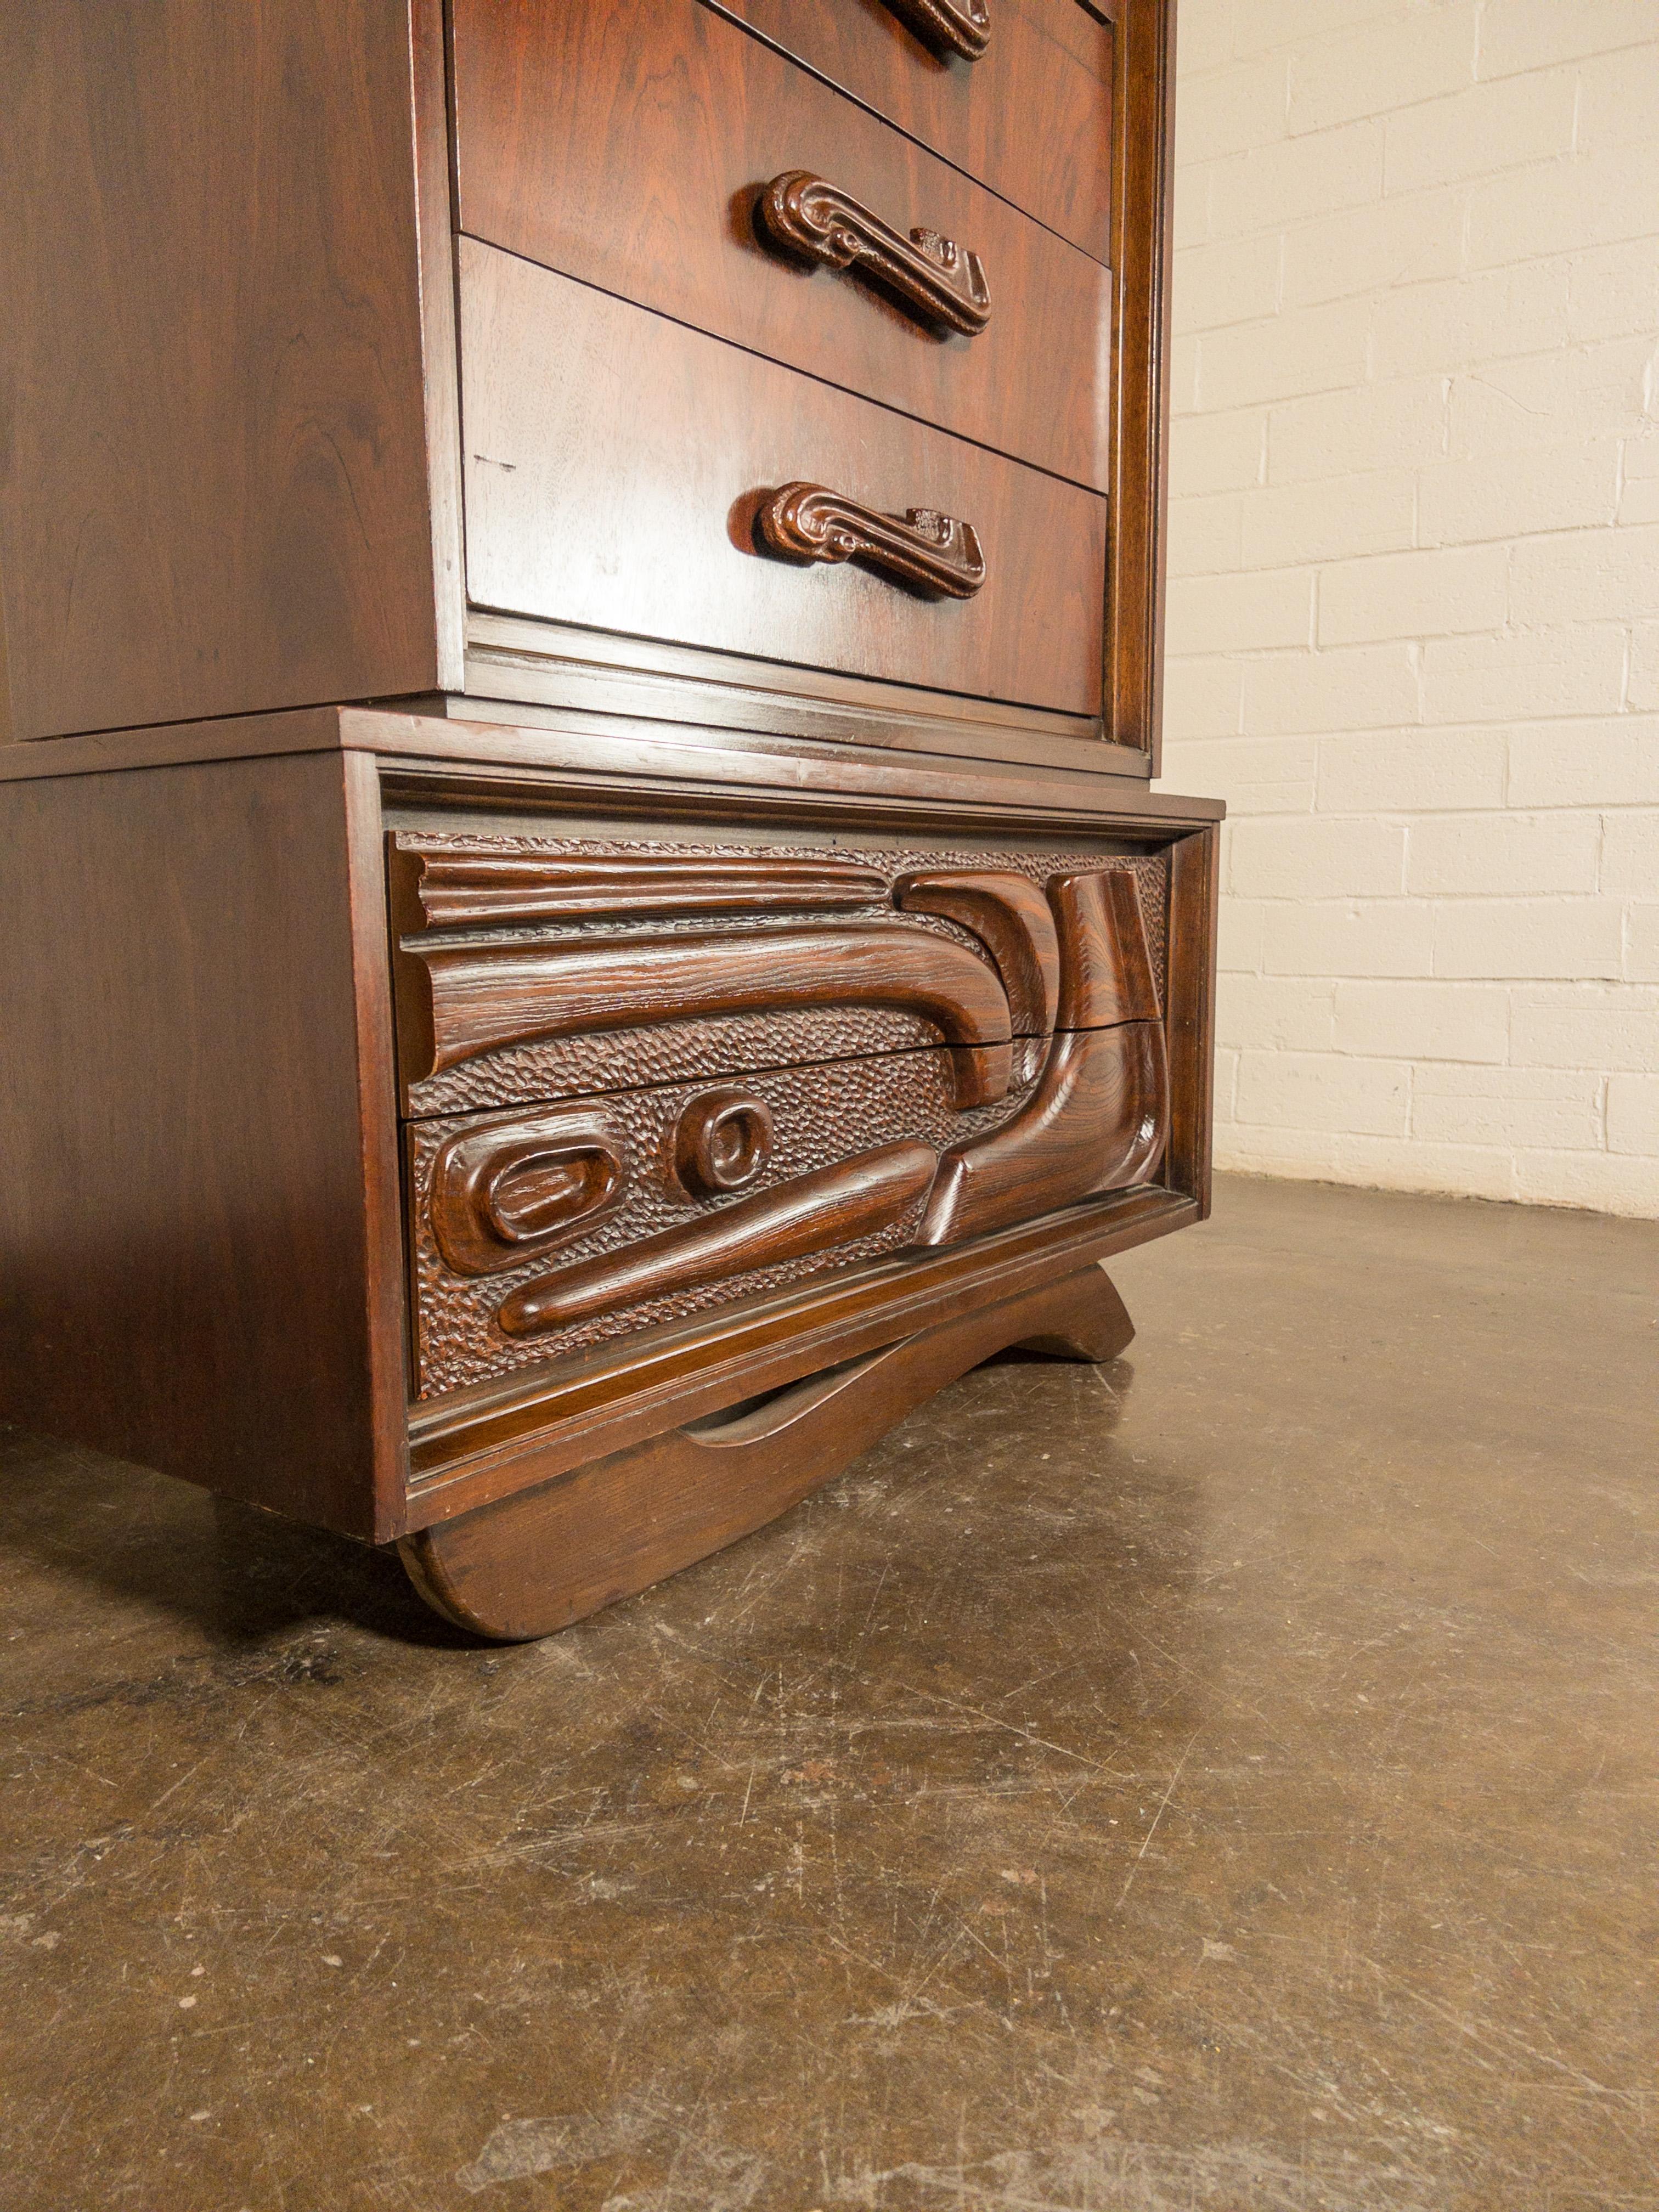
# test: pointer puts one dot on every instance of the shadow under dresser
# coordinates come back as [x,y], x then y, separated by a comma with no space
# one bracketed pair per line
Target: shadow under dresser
[583,920]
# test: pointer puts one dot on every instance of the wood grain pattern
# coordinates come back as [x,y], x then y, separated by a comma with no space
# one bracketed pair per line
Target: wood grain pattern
[555,1553]
[1108,975]
[456,1001]
[193,1159]
[1099,1120]
[504,1190]
[841,1155]
[805,1123]
[949,26]
[1195,893]
[438,889]
[631,146]
[615,463]
[1012,925]
[214,490]
[1032,118]
[810,1214]
[1012,917]
[1143,170]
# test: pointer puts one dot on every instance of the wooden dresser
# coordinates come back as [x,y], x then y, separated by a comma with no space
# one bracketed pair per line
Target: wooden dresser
[583,920]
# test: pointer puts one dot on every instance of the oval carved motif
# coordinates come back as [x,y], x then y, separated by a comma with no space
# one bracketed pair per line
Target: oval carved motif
[515,1186]
[724,1140]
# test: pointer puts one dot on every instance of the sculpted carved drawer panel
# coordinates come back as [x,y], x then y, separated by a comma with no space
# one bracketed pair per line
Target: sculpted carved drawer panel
[1024,1070]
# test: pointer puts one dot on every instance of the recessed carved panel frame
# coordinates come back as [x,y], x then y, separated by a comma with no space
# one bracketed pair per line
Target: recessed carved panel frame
[1032,1074]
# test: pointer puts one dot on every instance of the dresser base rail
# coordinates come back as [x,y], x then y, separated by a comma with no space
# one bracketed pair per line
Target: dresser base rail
[545,1557]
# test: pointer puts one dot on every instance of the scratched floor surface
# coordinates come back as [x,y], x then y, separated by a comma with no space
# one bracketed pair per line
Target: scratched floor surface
[1222,1780]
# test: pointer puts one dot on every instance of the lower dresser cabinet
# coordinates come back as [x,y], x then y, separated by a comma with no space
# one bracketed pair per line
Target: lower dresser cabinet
[559,1172]
[584,919]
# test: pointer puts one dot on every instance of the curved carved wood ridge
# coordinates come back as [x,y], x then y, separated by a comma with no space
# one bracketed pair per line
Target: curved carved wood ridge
[813,1213]
[1108,974]
[1012,919]
[931,552]
[937,280]
[535,1562]
[476,997]
[953,27]
[1099,1120]
[447,890]
[1061,988]
[514,1186]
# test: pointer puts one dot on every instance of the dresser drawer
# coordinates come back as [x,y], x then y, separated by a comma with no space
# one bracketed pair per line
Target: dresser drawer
[617,466]
[631,145]
[646,1080]
[1031,116]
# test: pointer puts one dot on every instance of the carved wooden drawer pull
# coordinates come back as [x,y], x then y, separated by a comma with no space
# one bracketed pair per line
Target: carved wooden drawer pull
[955,27]
[933,552]
[937,280]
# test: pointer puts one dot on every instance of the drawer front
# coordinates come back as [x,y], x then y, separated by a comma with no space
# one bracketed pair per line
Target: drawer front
[630,145]
[1031,116]
[709,1105]
[617,465]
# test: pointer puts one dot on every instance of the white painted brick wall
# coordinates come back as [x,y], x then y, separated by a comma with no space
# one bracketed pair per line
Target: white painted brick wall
[1414,622]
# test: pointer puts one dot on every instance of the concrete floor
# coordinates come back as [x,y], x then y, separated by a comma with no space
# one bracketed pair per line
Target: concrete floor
[1226,1780]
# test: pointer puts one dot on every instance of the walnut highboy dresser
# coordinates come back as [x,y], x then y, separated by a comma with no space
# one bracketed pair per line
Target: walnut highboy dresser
[582,917]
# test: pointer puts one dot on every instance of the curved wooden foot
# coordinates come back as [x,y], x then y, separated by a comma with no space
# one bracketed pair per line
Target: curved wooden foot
[539,1561]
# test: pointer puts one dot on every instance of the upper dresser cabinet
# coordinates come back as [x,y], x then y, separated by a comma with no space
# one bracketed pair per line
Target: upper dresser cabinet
[784,365]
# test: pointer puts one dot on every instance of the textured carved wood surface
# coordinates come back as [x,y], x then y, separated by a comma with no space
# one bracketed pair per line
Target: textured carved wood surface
[536,1235]
[616,462]
[536,1562]
[631,146]
[821,1115]
[1032,117]
[660,879]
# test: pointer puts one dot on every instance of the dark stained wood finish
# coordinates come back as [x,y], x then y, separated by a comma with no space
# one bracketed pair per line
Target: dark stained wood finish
[537,665]
[1142,258]
[493,1015]
[626,768]
[214,494]
[475,1445]
[1032,117]
[457,1002]
[1099,1120]
[809,1215]
[197,1166]
[624,1219]
[434,888]
[1108,975]
[554,1554]
[1194,895]
[797,994]
[938,283]
[937,555]
[628,145]
[949,26]
[615,463]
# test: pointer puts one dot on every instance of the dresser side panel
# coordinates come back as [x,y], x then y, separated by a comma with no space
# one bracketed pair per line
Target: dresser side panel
[214,485]
[184,1168]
